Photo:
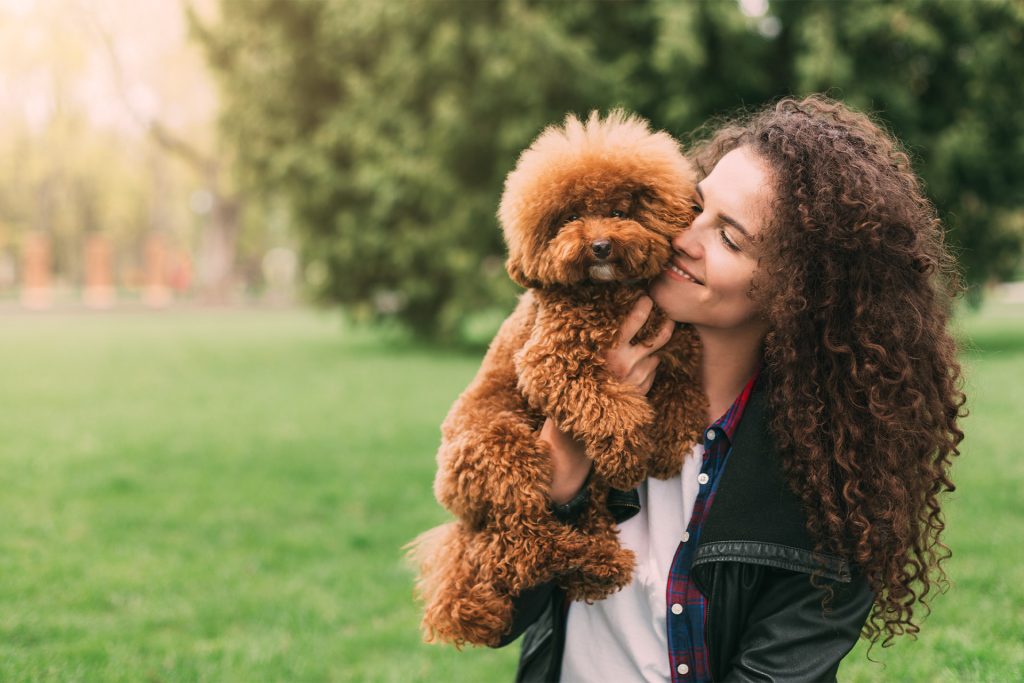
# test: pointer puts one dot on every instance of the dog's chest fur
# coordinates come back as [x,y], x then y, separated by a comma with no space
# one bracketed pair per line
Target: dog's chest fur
[592,313]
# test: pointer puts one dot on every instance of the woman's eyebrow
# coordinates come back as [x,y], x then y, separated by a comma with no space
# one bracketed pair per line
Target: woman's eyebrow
[734,223]
[727,219]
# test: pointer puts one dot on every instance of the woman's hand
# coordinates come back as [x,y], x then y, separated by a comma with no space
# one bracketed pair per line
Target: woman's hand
[635,364]
[631,364]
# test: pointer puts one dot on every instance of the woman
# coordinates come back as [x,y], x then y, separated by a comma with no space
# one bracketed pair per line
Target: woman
[818,281]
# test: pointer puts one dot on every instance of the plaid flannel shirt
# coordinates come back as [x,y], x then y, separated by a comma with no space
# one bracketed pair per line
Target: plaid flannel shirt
[685,604]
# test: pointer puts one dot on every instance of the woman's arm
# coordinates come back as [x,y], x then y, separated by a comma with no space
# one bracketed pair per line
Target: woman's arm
[569,463]
[528,606]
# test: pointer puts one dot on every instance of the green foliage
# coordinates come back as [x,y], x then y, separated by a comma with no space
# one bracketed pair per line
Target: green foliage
[944,76]
[388,127]
[49,182]
[195,497]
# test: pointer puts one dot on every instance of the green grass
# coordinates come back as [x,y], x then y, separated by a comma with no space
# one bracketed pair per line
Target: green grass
[224,497]
[975,630]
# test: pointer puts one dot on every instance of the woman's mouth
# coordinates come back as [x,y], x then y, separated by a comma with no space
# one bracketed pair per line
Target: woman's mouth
[680,274]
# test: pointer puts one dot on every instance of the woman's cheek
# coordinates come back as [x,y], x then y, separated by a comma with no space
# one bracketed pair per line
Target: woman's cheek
[662,295]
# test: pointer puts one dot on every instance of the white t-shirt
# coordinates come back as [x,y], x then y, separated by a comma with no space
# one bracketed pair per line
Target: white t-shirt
[623,638]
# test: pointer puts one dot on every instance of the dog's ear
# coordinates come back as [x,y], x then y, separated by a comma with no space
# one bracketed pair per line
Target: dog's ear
[514,266]
[669,211]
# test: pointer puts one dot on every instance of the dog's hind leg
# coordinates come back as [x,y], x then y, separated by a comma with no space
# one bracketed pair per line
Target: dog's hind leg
[491,461]
[462,601]
[599,564]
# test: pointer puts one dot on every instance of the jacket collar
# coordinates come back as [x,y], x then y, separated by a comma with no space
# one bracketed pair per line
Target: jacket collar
[756,516]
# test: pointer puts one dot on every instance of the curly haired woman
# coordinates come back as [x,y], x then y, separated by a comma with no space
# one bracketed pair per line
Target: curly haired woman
[817,278]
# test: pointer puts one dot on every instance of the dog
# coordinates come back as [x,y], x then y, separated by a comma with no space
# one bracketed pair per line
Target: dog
[588,215]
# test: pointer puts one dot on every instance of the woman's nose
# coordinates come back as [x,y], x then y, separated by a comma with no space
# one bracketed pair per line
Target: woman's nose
[688,242]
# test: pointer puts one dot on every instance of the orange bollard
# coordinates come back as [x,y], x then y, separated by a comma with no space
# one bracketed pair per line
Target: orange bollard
[156,293]
[99,278]
[36,285]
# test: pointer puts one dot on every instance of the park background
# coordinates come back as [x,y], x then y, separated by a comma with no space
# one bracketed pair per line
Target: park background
[249,257]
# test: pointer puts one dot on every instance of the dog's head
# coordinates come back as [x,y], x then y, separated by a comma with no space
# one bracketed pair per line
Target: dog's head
[598,201]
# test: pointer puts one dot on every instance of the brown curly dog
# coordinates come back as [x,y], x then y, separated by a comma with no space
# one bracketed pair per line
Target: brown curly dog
[588,215]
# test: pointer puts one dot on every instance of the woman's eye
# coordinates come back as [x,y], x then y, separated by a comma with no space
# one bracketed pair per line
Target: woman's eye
[728,242]
[618,214]
[696,208]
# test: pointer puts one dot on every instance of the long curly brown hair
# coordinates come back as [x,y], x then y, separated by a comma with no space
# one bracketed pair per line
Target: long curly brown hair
[865,388]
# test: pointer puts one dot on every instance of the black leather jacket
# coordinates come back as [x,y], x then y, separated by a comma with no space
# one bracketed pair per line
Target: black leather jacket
[755,564]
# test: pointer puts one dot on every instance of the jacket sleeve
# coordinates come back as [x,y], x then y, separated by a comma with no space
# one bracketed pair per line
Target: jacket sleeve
[527,607]
[788,636]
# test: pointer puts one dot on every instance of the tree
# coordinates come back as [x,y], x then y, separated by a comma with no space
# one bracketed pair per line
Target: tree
[49,182]
[387,128]
[75,165]
[944,76]
[218,243]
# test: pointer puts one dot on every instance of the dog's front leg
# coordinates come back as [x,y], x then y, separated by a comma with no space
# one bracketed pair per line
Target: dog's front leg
[491,460]
[562,374]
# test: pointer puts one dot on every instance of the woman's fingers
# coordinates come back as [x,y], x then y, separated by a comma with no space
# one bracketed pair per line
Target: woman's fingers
[644,374]
[634,363]
[664,334]
[635,320]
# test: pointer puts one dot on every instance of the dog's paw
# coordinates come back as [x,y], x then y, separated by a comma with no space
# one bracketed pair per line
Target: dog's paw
[542,388]
[622,459]
[604,569]
[666,459]
[603,411]
[477,614]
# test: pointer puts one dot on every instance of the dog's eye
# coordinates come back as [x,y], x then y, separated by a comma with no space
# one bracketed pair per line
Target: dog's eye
[618,214]
[572,217]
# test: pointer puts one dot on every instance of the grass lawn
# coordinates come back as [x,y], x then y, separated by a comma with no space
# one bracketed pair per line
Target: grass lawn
[223,497]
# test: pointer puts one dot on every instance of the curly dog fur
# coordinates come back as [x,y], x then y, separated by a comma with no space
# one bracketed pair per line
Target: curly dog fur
[588,216]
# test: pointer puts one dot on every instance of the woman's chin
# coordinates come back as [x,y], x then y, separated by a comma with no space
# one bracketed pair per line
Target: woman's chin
[662,297]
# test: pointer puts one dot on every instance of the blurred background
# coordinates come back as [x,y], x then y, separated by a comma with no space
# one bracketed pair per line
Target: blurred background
[249,257]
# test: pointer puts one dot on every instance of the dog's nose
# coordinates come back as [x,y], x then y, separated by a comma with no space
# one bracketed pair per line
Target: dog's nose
[602,249]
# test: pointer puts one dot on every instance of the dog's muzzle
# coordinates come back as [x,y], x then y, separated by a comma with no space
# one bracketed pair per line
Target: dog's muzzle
[602,249]
[602,272]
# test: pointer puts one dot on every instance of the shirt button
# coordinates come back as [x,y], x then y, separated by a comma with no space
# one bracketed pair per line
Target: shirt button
[711,435]
[686,536]
[683,669]
[702,478]
[677,608]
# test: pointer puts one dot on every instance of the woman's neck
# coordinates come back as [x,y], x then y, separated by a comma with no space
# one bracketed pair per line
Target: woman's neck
[729,359]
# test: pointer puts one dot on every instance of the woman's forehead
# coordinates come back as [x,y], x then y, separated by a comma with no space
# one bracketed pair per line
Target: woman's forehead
[739,186]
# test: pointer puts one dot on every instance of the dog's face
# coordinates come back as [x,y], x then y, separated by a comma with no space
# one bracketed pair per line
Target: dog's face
[597,202]
[610,232]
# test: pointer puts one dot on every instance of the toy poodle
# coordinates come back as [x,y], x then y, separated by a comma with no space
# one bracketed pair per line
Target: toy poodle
[588,216]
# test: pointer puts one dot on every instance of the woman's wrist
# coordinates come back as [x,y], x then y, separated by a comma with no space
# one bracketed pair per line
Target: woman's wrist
[570,466]
[570,511]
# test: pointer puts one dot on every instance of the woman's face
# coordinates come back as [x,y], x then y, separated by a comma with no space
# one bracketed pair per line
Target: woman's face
[710,272]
